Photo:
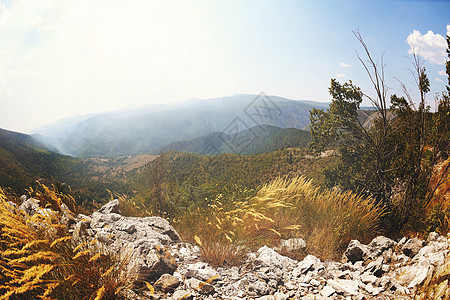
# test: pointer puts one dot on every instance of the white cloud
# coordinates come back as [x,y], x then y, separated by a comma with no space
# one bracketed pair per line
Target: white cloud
[344,65]
[438,79]
[430,46]
[340,75]
[442,72]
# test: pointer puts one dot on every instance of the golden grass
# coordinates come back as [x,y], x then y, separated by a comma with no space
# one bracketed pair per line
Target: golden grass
[40,260]
[284,208]
[327,220]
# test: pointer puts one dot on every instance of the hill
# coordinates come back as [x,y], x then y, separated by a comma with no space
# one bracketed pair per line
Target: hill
[23,160]
[255,140]
[147,129]
[182,180]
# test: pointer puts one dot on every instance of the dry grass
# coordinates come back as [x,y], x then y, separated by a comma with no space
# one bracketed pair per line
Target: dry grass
[284,208]
[129,207]
[327,220]
[39,259]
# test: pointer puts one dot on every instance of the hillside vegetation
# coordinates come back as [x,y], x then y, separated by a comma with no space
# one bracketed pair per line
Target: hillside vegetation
[255,140]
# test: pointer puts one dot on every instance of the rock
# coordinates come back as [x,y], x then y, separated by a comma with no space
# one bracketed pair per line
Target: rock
[375,267]
[260,287]
[200,286]
[412,247]
[167,283]
[201,271]
[380,244]
[412,275]
[345,287]
[267,257]
[81,227]
[368,278]
[280,296]
[419,277]
[162,226]
[182,294]
[30,206]
[327,291]
[293,244]
[151,262]
[110,207]
[305,265]
[432,237]
[356,251]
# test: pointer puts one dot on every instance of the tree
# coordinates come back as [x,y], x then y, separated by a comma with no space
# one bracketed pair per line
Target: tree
[364,154]
[392,159]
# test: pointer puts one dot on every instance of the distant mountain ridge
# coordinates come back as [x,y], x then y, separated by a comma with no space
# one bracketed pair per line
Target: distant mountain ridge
[148,129]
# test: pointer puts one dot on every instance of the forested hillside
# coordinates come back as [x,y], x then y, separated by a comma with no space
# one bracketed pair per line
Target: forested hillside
[255,140]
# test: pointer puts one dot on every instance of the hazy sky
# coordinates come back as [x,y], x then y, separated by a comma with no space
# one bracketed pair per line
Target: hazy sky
[62,58]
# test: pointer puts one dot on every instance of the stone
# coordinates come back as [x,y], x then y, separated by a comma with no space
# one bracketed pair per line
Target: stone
[260,287]
[167,283]
[356,251]
[111,207]
[182,294]
[200,286]
[380,244]
[432,237]
[375,267]
[81,227]
[327,291]
[30,206]
[305,265]
[412,247]
[419,277]
[345,287]
[280,296]
[368,278]
[267,257]
[201,271]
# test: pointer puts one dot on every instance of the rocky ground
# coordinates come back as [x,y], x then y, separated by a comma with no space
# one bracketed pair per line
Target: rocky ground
[383,269]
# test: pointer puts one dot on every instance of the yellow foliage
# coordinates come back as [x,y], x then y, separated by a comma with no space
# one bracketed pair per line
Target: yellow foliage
[36,259]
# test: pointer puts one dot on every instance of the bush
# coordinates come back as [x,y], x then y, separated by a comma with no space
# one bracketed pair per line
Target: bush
[40,259]
[327,220]
[284,208]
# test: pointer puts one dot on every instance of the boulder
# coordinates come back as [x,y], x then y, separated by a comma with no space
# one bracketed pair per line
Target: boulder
[167,283]
[267,257]
[310,262]
[29,206]
[110,207]
[345,287]
[201,271]
[380,244]
[356,251]
[412,247]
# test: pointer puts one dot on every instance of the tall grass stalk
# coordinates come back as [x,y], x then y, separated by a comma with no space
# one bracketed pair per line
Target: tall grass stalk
[284,208]
[39,259]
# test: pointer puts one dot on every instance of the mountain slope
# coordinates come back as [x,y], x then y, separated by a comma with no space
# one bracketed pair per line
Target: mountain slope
[147,129]
[258,139]
[24,160]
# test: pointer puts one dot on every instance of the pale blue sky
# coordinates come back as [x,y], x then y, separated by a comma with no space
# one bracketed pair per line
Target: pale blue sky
[63,58]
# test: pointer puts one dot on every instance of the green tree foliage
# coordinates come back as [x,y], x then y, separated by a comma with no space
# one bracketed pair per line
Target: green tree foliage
[392,159]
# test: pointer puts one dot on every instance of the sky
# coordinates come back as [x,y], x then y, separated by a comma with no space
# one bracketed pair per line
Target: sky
[63,58]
